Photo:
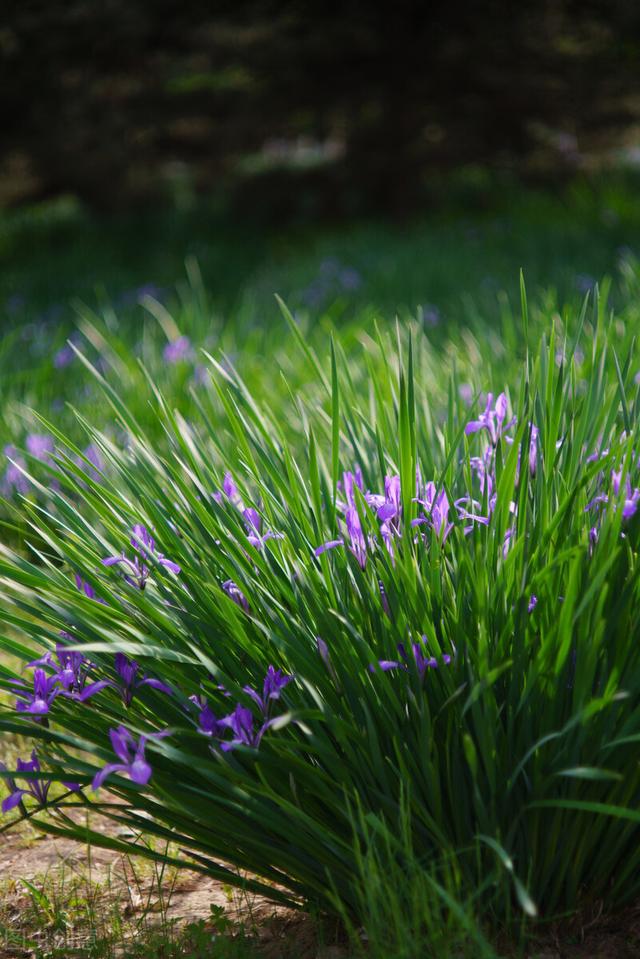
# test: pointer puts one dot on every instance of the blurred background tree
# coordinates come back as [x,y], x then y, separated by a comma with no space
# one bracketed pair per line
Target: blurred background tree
[358,106]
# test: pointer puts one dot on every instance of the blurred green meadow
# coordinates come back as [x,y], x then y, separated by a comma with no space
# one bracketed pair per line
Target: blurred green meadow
[123,290]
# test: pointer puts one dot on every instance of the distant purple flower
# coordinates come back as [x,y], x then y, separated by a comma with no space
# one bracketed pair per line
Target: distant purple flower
[178,350]
[236,594]
[14,479]
[87,589]
[241,724]
[200,375]
[430,315]
[95,467]
[253,522]
[127,670]
[323,650]
[229,491]
[39,445]
[357,541]
[422,662]
[492,419]
[64,357]
[584,283]
[38,789]
[138,571]
[506,543]
[533,602]
[383,598]
[350,279]
[465,391]
[347,485]
[391,507]
[533,449]
[131,755]
[330,544]
[274,682]
[436,506]
[472,514]
[631,496]
[208,724]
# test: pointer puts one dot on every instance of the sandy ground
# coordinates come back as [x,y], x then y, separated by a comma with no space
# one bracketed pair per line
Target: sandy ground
[63,869]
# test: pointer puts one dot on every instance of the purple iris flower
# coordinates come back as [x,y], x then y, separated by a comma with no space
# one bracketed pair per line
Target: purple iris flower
[422,662]
[64,357]
[391,507]
[323,650]
[533,449]
[241,723]
[357,541]
[40,446]
[631,496]
[138,571]
[131,756]
[347,485]
[274,682]
[235,593]
[85,587]
[38,701]
[71,670]
[208,724]
[465,391]
[96,468]
[482,466]
[492,419]
[230,491]
[127,670]
[253,522]
[436,505]
[178,350]
[37,788]
[533,602]
[14,479]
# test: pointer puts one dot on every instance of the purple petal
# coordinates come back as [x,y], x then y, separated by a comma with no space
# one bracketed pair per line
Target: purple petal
[140,772]
[473,427]
[156,684]
[100,776]
[168,564]
[319,550]
[122,742]
[13,800]
[91,690]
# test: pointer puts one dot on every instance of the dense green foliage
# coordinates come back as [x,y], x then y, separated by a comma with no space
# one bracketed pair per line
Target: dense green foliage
[493,771]
[516,754]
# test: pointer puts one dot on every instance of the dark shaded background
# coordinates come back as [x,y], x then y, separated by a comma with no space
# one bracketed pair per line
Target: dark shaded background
[315,108]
